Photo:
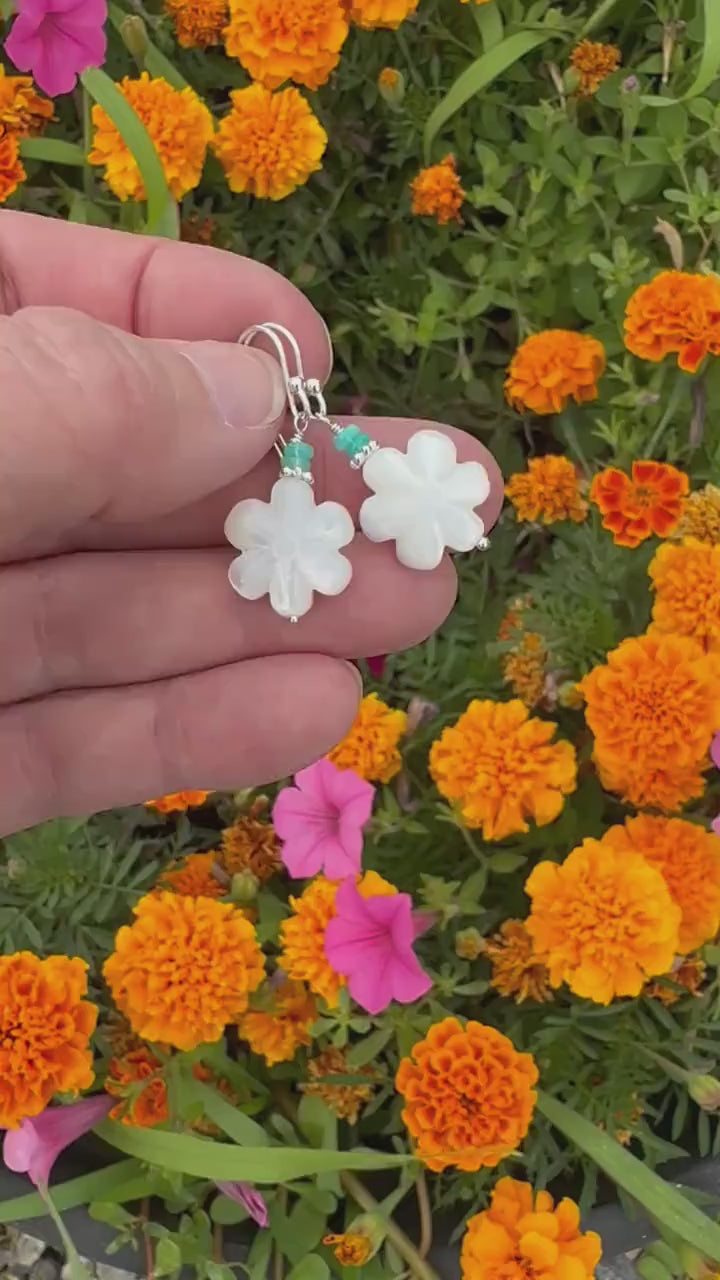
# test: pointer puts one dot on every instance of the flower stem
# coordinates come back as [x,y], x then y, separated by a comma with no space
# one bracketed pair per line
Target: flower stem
[423,1199]
[419,1268]
[597,17]
[76,1266]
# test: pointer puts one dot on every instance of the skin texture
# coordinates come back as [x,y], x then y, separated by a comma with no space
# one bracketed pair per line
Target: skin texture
[130,426]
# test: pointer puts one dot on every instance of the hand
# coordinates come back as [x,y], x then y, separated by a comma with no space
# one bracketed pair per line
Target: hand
[130,426]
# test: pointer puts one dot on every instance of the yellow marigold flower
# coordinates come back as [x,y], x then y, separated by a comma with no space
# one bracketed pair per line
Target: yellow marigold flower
[516,970]
[277,40]
[381,13]
[653,708]
[675,313]
[351,1248]
[22,110]
[194,876]
[437,192]
[250,845]
[468,1096]
[686,580]
[198,23]
[523,1234]
[45,1029]
[700,516]
[600,952]
[346,1100]
[688,972]
[270,143]
[524,668]
[500,767]
[178,801]
[303,936]
[12,172]
[548,491]
[688,858]
[184,969]
[179,125]
[277,1033]
[371,747]
[595,62]
[553,367]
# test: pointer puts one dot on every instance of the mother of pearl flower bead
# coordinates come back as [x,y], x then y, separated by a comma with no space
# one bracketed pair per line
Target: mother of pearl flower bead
[424,500]
[289,547]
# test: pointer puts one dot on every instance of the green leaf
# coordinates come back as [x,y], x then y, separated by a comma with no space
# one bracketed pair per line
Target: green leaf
[311,1268]
[120,1182]
[709,61]
[479,75]
[244,1131]
[155,61]
[505,861]
[317,1122]
[162,213]
[659,1199]
[227,1212]
[368,1049]
[52,150]
[490,25]
[168,1257]
[222,1163]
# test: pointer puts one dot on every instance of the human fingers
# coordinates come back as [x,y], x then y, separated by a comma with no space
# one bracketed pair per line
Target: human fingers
[232,727]
[114,618]
[102,426]
[151,287]
[201,524]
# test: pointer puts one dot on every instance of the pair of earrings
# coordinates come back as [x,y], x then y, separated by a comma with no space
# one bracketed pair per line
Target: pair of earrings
[423,500]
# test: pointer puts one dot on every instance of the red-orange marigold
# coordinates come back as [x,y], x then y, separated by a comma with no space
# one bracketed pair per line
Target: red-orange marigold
[677,312]
[651,502]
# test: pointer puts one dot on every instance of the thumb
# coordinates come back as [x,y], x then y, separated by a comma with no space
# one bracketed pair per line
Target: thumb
[99,424]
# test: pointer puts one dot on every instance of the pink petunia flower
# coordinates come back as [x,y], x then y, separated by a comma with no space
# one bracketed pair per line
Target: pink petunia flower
[36,1145]
[56,40]
[376,665]
[320,821]
[370,942]
[716,825]
[249,1198]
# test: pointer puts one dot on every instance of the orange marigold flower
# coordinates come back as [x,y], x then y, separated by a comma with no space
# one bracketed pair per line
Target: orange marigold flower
[595,62]
[270,143]
[603,921]
[12,172]
[381,13]
[653,708]
[346,1100]
[516,970]
[688,858]
[524,669]
[548,491]
[389,78]
[278,1032]
[303,936]
[178,801]
[351,1248]
[475,1]
[523,1234]
[277,40]
[634,509]
[686,579]
[677,312]
[468,1094]
[22,110]
[198,23]
[184,969]
[194,876]
[180,127]
[437,192]
[250,845]
[500,767]
[700,516]
[688,972]
[45,1029]
[136,1078]
[370,749]
[551,368]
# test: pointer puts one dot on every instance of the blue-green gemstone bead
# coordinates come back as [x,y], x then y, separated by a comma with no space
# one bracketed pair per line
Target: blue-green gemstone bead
[298,454]
[351,440]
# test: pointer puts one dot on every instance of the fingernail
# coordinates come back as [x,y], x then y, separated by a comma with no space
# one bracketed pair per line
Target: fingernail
[358,678]
[245,384]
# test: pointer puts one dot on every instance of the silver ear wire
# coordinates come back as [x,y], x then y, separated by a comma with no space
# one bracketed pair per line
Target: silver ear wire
[296,385]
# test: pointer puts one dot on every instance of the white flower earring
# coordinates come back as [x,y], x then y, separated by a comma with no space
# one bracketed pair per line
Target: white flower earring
[289,547]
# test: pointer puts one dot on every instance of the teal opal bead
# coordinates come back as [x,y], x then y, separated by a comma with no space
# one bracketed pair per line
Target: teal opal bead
[351,440]
[297,454]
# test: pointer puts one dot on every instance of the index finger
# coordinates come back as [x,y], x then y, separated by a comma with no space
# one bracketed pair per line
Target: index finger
[151,287]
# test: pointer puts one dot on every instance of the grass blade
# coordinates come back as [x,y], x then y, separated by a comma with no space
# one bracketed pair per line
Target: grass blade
[53,151]
[120,1182]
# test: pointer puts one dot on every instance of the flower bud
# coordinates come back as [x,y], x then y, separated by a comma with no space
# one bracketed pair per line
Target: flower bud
[135,36]
[705,1090]
[569,696]
[469,944]
[360,1242]
[391,86]
[244,887]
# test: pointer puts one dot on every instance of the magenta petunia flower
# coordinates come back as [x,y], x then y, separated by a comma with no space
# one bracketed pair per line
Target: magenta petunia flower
[370,942]
[320,821]
[376,665]
[56,40]
[249,1198]
[36,1145]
